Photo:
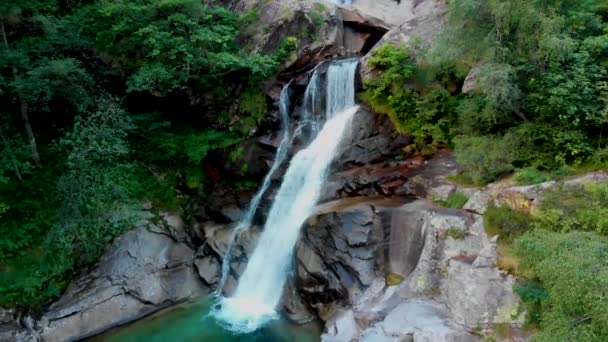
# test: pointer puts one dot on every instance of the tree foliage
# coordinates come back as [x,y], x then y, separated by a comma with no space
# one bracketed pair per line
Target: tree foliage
[107,103]
[538,73]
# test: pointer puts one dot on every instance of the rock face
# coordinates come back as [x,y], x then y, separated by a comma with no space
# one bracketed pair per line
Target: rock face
[451,286]
[524,198]
[421,19]
[143,271]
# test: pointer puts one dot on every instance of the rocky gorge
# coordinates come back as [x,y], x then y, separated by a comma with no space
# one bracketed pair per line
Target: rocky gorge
[378,261]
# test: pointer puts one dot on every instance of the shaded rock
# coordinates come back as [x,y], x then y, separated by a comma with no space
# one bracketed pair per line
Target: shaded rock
[175,225]
[7,315]
[142,272]
[208,269]
[294,308]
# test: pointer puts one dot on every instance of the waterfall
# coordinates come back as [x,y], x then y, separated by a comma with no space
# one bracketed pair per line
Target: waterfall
[246,221]
[260,288]
[338,96]
[312,104]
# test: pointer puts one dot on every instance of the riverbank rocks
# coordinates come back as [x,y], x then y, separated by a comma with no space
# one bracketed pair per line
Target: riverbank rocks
[143,271]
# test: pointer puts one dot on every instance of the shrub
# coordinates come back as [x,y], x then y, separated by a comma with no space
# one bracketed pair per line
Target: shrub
[505,222]
[483,159]
[579,207]
[530,175]
[572,268]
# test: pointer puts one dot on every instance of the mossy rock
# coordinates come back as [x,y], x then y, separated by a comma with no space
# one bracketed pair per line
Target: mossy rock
[393,279]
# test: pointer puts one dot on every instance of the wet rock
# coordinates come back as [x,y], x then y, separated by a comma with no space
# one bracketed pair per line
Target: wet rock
[142,272]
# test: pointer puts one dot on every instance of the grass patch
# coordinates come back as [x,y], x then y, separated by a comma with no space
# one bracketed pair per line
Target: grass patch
[530,175]
[456,200]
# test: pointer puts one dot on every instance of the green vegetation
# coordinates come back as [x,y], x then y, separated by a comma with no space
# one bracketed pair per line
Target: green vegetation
[520,87]
[105,104]
[455,200]
[574,274]
[454,233]
[560,255]
[537,95]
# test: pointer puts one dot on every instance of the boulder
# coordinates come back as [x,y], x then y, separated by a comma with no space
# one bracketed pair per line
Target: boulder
[141,272]
[420,19]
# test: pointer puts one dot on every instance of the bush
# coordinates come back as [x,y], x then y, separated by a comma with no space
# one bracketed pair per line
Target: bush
[530,175]
[579,207]
[483,159]
[574,274]
[505,222]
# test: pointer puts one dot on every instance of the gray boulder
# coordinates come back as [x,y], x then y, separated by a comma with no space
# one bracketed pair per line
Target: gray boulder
[142,272]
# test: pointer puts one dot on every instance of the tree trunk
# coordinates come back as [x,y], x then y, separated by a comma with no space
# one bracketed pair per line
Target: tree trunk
[30,133]
[10,153]
[24,106]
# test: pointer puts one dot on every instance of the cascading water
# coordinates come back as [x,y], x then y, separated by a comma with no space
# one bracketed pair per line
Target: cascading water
[312,104]
[246,221]
[260,287]
[339,96]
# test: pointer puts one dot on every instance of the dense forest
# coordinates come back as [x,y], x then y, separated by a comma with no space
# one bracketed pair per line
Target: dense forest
[106,104]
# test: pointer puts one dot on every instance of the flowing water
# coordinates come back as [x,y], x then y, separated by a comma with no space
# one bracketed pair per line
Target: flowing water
[246,221]
[312,104]
[259,289]
[340,86]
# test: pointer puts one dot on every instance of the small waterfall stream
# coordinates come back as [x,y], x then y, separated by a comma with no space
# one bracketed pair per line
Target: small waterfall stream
[246,221]
[260,288]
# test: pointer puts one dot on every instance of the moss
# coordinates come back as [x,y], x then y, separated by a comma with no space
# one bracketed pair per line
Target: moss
[317,14]
[393,279]
[454,233]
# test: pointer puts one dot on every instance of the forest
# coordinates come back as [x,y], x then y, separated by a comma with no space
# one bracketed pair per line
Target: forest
[106,104]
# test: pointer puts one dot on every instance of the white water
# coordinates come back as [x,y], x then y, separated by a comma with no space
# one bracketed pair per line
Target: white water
[339,96]
[246,221]
[312,104]
[260,287]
